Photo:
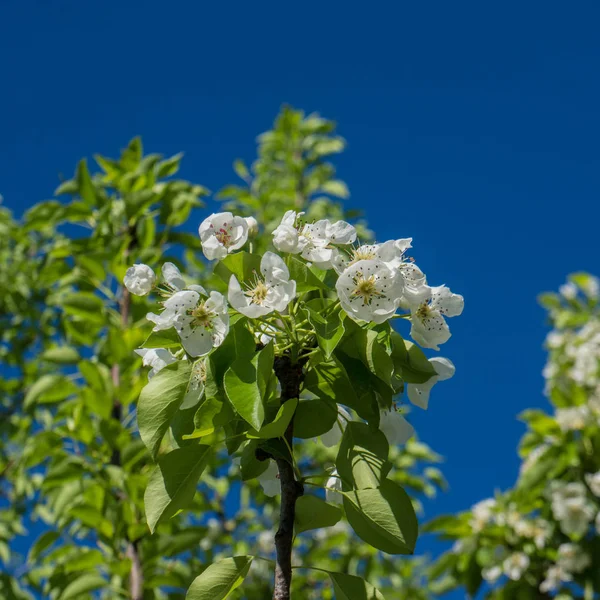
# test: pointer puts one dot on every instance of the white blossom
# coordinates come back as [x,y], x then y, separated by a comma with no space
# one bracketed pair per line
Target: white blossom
[555,576]
[315,242]
[221,234]
[156,358]
[571,508]
[272,290]
[418,393]
[252,226]
[492,574]
[593,481]
[139,279]
[369,291]
[568,290]
[591,287]
[269,480]
[482,513]
[395,427]
[172,276]
[572,558]
[574,418]
[515,565]
[202,323]
[333,489]
[429,328]
[334,435]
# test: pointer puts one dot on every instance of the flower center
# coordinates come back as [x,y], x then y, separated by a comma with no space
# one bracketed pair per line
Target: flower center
[224,236]
[366,288]
[423,311]
[202,316]
[363,253]
[258,294]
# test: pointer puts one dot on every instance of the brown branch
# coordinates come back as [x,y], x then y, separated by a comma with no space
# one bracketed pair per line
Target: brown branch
[136,575]
[290,377]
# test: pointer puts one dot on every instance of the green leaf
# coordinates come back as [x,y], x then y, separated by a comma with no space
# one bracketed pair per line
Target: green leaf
[241,169]
[329,329]
[160,400]
[337,188]
[168,167]
[314,418]
[84,183]
[173,482]
[350,587]
[409,361]
[279,424]
[368,345]
[48,389]
[63,355]
[307,278]
[250,466]
[313,512]
[81,586]
[84,305]
[220,579]
[43,542]
[165,338]
[241,264]
[362,459]
[246,384]
[383,517]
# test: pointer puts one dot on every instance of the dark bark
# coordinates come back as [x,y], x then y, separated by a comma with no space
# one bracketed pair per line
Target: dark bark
[290,377]
[136,575]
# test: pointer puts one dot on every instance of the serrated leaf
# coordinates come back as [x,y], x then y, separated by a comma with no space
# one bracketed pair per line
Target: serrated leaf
[350,587]
[279,424]
[383,517]
[173,482]
[220,579]
[362,459]
[160,400]
[313,512]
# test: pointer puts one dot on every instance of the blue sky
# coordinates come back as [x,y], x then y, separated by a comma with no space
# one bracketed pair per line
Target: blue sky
[472,128]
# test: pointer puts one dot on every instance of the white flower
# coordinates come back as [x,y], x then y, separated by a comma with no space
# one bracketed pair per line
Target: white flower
[555,576]
[334,435]
[157,358]
[568,290]
[571,508]
[555,339]
[222,233]
[591,287]
[515,565]
[572,558]
[201,323]
[395,427]
[273,291]
[574,418]
[369,291]
[482,513]
[139,279]
[172,276]
[418,393]
[252,226]
[314,241]
[269,480]
[492,574]
[429,328]
[333,489]
[593,481]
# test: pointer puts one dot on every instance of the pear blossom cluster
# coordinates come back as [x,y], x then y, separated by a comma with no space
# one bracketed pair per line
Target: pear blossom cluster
[375,283]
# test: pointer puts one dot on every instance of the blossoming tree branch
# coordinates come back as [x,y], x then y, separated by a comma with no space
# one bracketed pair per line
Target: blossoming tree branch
[286,346]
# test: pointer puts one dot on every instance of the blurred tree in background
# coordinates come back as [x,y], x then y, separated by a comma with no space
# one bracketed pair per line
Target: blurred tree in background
[72,465]
[540,538]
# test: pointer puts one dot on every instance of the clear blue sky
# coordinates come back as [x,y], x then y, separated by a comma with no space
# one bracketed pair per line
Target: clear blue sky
[472,127]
